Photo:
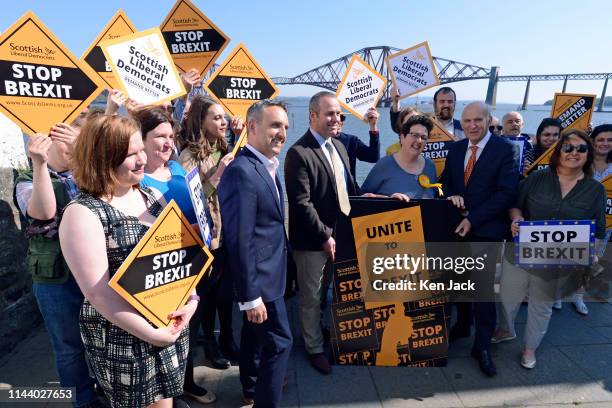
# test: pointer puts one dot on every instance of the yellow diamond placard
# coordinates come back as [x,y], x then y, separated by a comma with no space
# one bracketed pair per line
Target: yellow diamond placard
[436,148]
[607,183]
[361,87]
[412,70]
[143,67]
[164,268]
[41,82]
[574,111]
[542,162]
[192,39]
[239,82]
[118,26]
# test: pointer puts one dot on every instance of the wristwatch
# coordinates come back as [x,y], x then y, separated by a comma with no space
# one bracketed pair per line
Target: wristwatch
[193,297]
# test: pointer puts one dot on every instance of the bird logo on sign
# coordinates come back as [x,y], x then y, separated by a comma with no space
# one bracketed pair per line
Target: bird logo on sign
[151,48]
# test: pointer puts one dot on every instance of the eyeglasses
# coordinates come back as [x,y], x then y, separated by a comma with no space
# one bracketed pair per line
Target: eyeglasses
[421,136]
[492,128]
[568,148]
[168,108]
[342,117]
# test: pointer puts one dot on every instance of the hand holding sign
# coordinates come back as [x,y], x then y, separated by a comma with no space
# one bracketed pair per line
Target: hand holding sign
[116,99]
[64,133]
[38,148]
[190,79]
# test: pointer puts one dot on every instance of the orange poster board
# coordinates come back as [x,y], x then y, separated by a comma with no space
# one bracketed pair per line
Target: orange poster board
[574,111]
[542,162]
[361,87]
[41,82]
[164,268]
[143,67]
[412,70]
[192,39]
[239,82]
[438,145]
[118,26]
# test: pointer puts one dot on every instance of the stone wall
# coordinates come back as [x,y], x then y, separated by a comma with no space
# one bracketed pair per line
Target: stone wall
[18,310]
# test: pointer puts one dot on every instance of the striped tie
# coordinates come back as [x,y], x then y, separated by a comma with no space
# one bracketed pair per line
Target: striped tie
[470,165]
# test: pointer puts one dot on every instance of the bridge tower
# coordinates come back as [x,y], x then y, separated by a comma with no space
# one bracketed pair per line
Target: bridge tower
[600,108]
[491,98]
[526,97]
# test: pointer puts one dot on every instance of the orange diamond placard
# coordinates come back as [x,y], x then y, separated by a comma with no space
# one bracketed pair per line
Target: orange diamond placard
[607,183]
[192,39]
[239,82]
[574,111]
[542,162]
[436,148]
[41,82]
[164,268]
[117,27]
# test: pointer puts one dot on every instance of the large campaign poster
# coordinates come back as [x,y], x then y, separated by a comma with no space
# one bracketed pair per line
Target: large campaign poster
[574,111]
[239,82]
[412,70]
[118,26]
[143,67]
[164,268]
[193,40]
[361,87]
[41,82]
[408,331]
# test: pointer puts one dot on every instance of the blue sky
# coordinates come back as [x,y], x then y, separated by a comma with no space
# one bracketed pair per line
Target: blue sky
[290,37]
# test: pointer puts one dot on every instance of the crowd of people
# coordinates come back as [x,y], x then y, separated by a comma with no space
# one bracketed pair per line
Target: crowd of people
[95,187]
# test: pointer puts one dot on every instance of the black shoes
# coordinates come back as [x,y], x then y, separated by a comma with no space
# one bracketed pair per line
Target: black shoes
[212,353]
[485,362]
[229,349]
[458,332]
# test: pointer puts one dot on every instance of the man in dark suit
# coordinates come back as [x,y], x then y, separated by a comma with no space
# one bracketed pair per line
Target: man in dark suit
[252,214]
[318,184]
[481,177]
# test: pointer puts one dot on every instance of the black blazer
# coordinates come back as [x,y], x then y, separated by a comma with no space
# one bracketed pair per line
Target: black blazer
[253,229]
[492,187]
[311,192]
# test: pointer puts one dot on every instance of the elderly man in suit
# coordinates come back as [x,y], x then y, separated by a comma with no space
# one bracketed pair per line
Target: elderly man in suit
[481,178]
[318,184]
[252,213]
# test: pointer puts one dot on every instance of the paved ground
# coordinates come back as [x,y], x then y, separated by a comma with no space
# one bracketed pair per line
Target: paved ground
[574,368]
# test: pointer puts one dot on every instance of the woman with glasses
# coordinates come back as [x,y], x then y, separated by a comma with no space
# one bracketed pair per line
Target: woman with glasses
[564,191]
[204,145]
[398,175]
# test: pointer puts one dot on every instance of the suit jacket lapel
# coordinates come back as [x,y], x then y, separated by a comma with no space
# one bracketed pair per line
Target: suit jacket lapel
[484,156]
[458,166]
[347,173]
[316,147]
[281,197]
[263,172]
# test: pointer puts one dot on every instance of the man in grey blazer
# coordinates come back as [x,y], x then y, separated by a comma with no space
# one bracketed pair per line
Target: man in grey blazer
[318,183]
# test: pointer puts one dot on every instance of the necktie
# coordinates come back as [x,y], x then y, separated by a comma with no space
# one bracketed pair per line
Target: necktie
[470,165]
[338,168]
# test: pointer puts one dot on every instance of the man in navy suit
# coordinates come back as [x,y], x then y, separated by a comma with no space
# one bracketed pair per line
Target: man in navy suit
[481,178]
[252,214]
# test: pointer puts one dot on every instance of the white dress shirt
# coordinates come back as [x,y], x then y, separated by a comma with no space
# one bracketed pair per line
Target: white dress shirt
[481,145]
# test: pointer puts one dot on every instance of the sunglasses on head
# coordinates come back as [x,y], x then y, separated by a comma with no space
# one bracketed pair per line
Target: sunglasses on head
[493,127]
[568,148]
